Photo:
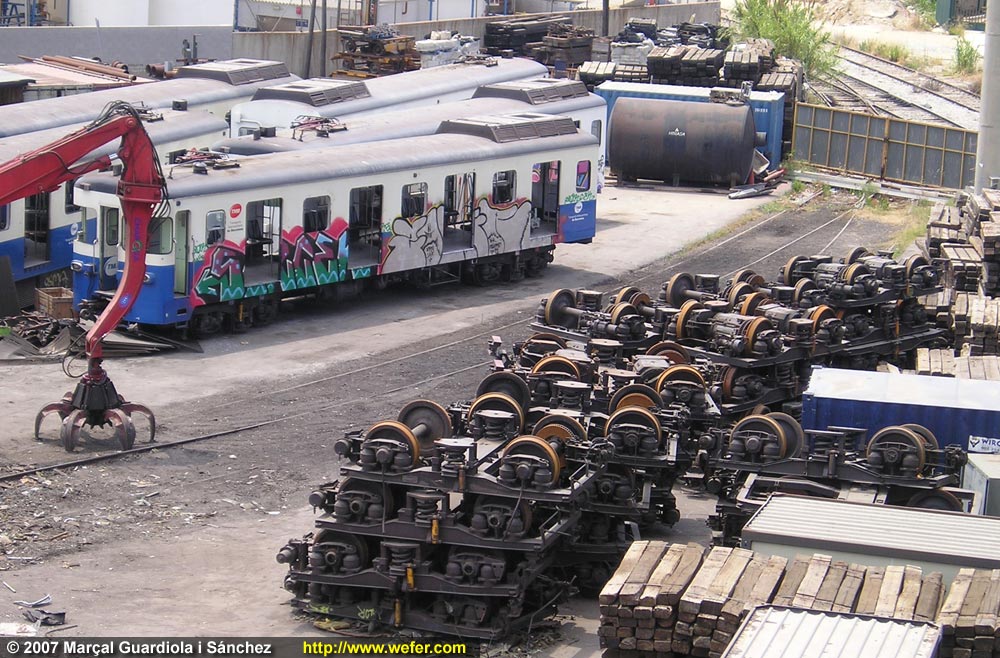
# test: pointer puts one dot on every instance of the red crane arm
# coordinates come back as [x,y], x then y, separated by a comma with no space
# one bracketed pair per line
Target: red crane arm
[141,189]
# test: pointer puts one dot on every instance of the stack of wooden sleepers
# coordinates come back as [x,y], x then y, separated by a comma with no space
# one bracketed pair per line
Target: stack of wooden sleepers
[681,600]
[969,616]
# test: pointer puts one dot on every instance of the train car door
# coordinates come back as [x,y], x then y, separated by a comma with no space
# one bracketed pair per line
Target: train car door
[263,232]
[545,197]
[182,252]
[37,227]
[108,250]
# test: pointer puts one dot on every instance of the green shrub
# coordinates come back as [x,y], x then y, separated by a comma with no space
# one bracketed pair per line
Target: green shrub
[966,56]
[793,26]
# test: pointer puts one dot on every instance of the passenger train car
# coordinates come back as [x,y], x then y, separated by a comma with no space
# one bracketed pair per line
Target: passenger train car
[482,199]
[279,106]
[37,233]
[542,95]
[213,87]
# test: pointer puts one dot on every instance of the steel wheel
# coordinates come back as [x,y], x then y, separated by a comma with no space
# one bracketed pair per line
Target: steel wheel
[624,296]
[556,363]
[802,287]
[559,426]
[635,416]
[687,308]
[431,415]
[901,436]
[497,402]
[938,499]
[618,311]
[788,276]
[680,373]
[764,425]
[794,434]
[751,302]
[738,291]
[533,446]
[856,253]
[675,352]
[677,286]
[635,395]
[930,441]
[819,315]
[555,309]
[509,384]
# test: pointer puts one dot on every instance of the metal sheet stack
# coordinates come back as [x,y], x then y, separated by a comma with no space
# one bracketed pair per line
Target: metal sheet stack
[969,616]
[673,600]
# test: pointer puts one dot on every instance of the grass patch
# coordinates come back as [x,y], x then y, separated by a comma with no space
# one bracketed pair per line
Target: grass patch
[966,56]
[795,28]
[798,186]
[914,226]
[765,210]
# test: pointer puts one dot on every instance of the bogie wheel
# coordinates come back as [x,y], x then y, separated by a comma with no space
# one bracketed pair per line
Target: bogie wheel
[913,262]
[618,311]
[794,433]
[856,253]
[395,431]
[556,363]
[677,286]
[756,327]
[374,500]
[635,395]
[899,435]
[737,291]
[640,300]
[560,427]
[788,276]
[767,426]
[624,296]
[680,373]
[556,305]
[533,446]
[802,286]
[342,551]
[852,272]
[819,315]
[749,276]
[635,416]
[497,402]
[546,338]
[751,302]
[687,308]
[930,441]
[432,416]
[729,376]
[939,499]
[675,352]
[507,383]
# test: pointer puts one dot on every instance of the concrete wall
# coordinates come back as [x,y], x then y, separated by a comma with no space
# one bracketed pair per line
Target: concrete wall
[190,12]
[136,46]
[290,47]
[111,13]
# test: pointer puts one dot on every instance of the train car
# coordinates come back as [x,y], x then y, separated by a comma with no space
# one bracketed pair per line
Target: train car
[38,233]
[280,105]
[213,87]
[542,95]
[482,199]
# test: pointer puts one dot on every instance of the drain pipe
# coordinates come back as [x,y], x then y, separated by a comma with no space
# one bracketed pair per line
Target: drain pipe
[988,154]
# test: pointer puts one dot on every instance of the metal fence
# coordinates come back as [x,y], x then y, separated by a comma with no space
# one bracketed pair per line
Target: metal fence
[883,147]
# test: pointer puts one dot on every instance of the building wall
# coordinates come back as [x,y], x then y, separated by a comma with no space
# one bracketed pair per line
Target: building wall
[110,13]
[190,12]
[136,46]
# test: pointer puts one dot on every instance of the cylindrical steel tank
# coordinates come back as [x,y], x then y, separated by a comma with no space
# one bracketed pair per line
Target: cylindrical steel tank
[677,141]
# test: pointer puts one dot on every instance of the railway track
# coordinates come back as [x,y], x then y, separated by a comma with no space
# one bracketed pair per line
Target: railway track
[382,373]
[866,83]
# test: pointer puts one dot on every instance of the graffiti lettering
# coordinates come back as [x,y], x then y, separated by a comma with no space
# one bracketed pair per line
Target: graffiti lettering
[220,278]
[314,259]
[580,196]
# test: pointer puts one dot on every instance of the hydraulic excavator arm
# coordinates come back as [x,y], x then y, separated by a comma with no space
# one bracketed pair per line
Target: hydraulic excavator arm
[141,190]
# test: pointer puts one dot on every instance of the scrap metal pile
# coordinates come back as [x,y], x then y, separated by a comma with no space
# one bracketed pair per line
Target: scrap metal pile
[477,518]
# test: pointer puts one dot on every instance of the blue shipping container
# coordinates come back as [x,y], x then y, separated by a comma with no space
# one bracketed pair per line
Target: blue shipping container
[768,107]
[962,411]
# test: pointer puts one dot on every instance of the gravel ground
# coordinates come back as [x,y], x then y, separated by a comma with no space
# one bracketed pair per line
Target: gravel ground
[174,541]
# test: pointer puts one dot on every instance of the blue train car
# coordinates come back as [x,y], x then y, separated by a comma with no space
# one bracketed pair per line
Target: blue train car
[768,107]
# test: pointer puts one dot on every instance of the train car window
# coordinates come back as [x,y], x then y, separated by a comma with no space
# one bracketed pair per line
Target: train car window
[595,130]
[316,214]
[215,226]
[4,218]
[504,186]
[68,201]
[414,200]
[366,207]
[109,218]
[583,175]
[161,231]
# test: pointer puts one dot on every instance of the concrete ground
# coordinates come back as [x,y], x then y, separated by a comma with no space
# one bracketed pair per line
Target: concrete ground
[182,541]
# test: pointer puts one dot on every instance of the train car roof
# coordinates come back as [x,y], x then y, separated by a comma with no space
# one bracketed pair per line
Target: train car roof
[328,98]
[451,147]
[416,121]
[171,126]
[198,84]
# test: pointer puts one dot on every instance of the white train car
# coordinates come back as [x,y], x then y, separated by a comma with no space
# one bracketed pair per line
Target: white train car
[212,87]
[482,199]
[38,234]
[279,106]
[542,95]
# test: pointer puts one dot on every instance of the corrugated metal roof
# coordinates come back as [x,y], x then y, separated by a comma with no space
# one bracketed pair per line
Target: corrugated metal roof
[904,389]
[778,632]
[903,533]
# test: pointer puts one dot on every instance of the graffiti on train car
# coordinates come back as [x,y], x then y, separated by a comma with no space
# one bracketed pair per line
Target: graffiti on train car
[412,242]
[314,259]
[220,278]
